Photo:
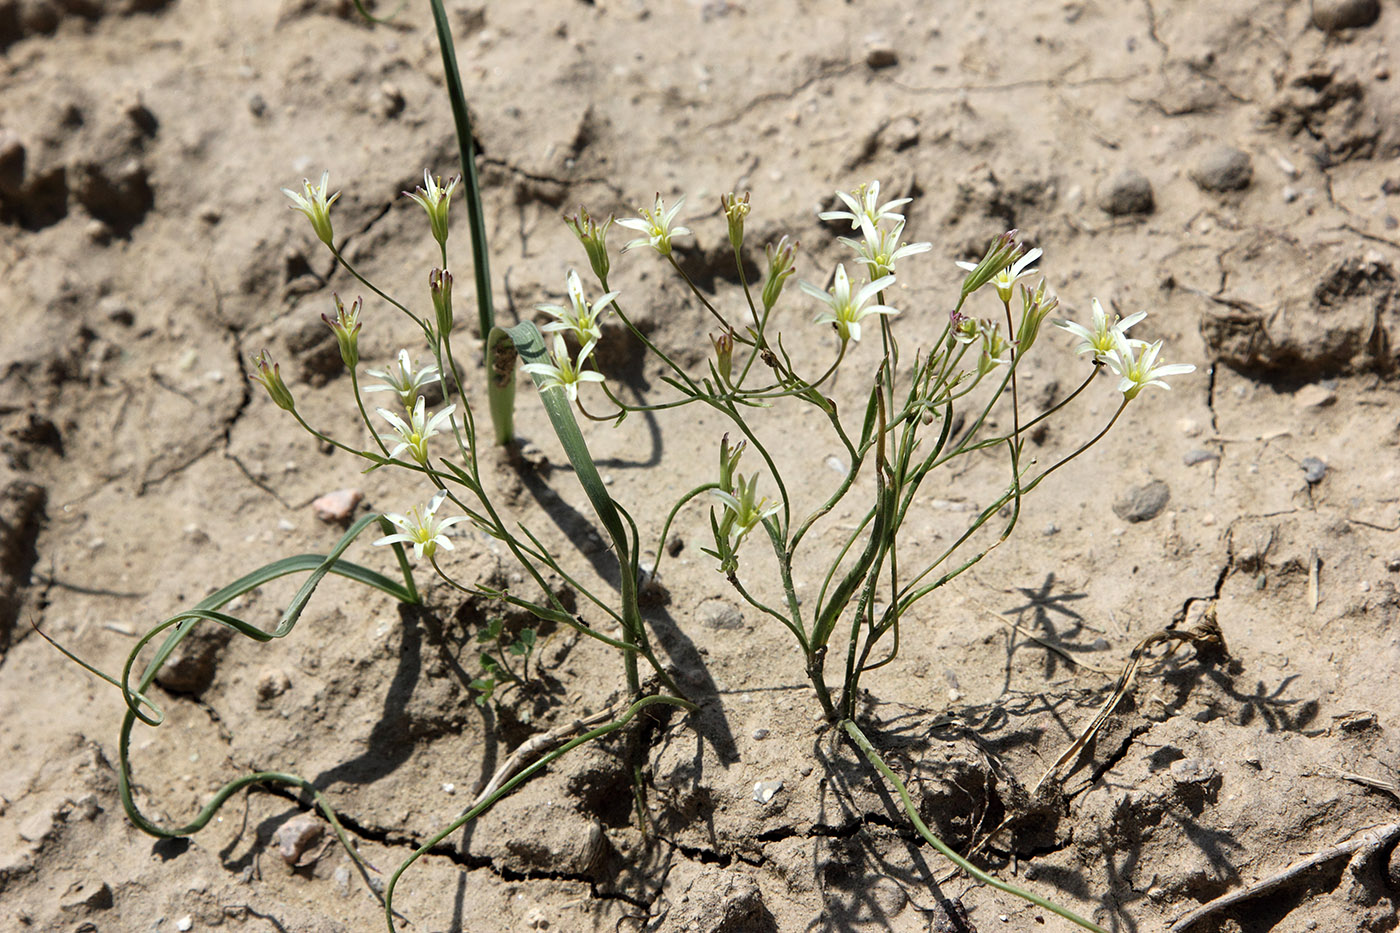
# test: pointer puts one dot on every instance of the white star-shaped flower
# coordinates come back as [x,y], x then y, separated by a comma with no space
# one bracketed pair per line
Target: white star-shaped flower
[881,249]
[865,202]
[582,318]
[413,435]
[1005,280]
[316,206]
[407,381]
[655,227]
[421,529]
[847,311]
[1140,371]
[562,372]
[1100,339]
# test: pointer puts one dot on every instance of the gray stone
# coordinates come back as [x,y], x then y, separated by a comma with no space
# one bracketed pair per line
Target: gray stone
[1193,457]
[1128,192]
[1313,470]
[1142,503]
[1224,169]
[1193,771]
[1331,15]
[716,613]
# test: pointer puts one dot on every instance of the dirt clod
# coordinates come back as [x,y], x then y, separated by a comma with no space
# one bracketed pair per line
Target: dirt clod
[1142,503]
[1333,15]
[1126,193]
[1224,169]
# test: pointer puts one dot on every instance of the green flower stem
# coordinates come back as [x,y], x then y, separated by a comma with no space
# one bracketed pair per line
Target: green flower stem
[646,342]
[1098,365]
[1085,446]
[510,785]
[466,149]
[670,257]
[364,416]
[530,346]
[427,331]
[671,516]
[544,613]
[912,811]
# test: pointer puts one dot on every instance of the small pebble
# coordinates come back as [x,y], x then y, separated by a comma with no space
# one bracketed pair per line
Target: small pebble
[1050,529]
[449,789]
[1193,457]
[1290,194]
[836,465]
[718,614]
[1142,503]
[1332,15]
[337,507]
[273,683]
[1314,396]
[295,838]
[880,53]
[1224,169]
[760,734]
[1313,470]
[763,791]
[1285,166]
[284,525]
[1128,192]
[1208,519]
[184,923]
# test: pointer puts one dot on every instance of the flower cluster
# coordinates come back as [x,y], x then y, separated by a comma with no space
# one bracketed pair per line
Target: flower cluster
[880,247]
[1133,360]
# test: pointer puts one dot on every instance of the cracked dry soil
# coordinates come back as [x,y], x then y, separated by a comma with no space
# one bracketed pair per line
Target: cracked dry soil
[1230,167]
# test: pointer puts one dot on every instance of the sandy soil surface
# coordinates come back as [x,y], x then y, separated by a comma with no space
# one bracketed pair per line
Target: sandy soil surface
[1229,167]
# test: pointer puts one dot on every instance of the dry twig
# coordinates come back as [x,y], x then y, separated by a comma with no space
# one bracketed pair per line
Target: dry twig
[1369,841]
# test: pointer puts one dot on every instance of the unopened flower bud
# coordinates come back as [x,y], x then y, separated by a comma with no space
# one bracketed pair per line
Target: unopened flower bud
[729,462]
[781,264]
[1035,306]
[346,326]
[724,354]
[736,208]
[270,375]
[314,203]
[964,328]
[1002,252]
[440,285]
[435,199]
[993,346]
[594,239]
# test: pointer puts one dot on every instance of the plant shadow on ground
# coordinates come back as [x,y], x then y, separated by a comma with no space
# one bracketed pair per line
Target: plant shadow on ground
[868,861]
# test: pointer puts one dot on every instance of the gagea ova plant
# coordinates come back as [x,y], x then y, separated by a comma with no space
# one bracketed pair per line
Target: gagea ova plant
[898,444]
[922,408]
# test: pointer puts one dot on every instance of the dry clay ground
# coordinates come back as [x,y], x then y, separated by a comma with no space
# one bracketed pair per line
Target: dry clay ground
[1229,167]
